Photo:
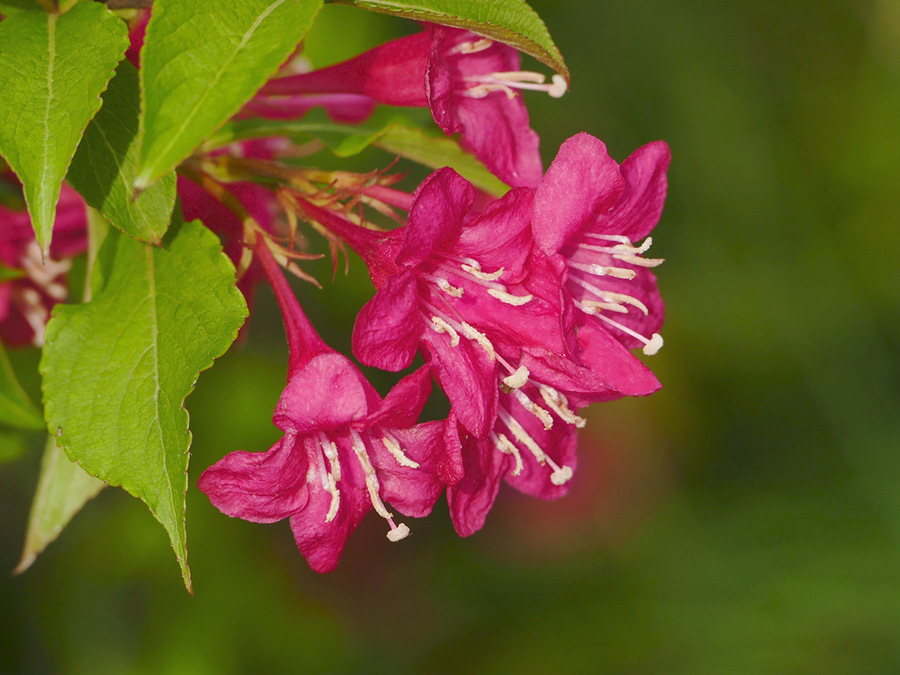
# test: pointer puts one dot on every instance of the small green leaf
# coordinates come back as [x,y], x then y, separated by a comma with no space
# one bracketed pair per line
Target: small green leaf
[10,7]
[53,69]
[16,409]
[201,61]
[390,133]
[105,165]
[63,488]
[513,22]
[117,369]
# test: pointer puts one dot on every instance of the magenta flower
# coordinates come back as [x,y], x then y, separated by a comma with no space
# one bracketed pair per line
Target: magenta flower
[482,304]
[588,210]
[469,82]
[34,285]
[345,450]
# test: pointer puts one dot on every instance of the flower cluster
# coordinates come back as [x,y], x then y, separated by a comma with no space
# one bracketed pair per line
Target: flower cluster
[523,308]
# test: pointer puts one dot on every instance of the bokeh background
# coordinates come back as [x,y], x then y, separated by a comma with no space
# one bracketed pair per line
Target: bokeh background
[745,519]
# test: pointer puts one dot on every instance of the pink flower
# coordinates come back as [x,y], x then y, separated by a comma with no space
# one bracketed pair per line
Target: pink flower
[588,210]
[345,450]
[477,298]
[26,300]
[469,82]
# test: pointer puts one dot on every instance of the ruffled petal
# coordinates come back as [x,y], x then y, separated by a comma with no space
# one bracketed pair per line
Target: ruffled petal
[638,210]
[471,498]
[436,215]
[327,393]
[262,487]
[321,542]
[582,181]
[387,329]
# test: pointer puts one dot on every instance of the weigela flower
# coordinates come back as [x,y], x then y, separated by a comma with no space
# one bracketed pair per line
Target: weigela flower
[37,284]
[588,210]
[484,306]
[469,83]
[345,450]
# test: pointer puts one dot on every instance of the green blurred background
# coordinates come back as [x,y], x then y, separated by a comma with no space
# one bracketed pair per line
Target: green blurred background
[746,519]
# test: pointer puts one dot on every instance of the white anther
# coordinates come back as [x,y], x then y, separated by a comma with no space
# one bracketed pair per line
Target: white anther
[329,448]
[561,475]
[637,260]
[438,325]
[651,345]
[473,267]
[592,307]
[480,338]
[654,345]
[628,299]
[445,285]
[559,86]
[397,532]
[393,447]
[558,403]
[509,299]
[517,379]
[603,270]
[504,445]
[545,418]
[471,47]
[359,447]
[331,487]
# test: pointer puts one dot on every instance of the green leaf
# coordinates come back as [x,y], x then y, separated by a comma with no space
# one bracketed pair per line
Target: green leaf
[513,22]
[16,409]
[105,165]
[393,134]
[53,69]
[10,273]
[12,445]
[63,488]
[201,61]
[117,369]
[10,7]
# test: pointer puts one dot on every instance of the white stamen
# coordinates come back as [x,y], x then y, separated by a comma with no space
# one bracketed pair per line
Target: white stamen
[561,474]
[592,307]
[604,270]
[509,299]
[470,47]
[504,445]
[651,345]
[640,262]
[473,267]
[559,86]
[508,82]
[444,285]
[558,403]
[397,532]
[517,379]
[536,410]
[329,448]
[655,344]
[480,338]
[438,325]
[393,447]
[331,487]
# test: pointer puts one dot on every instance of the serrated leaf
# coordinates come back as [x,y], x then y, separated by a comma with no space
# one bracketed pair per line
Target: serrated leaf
[53,69]
[105,165]
[117,369]
[513,22]
[201,61]
[391,134]
[63,488]
[16,409]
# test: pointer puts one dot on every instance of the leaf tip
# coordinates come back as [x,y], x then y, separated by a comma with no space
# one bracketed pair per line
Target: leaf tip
[28,558]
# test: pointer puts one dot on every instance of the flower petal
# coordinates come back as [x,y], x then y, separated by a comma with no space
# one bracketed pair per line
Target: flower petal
[387,329]
[583,180]
[641,204]
[262,487]
[436,215]
[327,393]
[471,498]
